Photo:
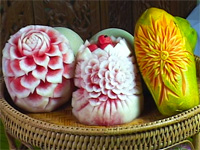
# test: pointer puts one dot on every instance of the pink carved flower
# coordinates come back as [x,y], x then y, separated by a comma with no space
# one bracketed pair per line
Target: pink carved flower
[38,64]
[109,90]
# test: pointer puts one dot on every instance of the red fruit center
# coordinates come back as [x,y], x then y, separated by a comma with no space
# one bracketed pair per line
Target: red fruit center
[92,47]
[103,41]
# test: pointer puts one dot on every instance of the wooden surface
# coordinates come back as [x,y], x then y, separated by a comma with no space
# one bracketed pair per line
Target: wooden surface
[84,17]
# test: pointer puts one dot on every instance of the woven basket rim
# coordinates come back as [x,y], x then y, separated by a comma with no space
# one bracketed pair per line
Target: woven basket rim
[113,130]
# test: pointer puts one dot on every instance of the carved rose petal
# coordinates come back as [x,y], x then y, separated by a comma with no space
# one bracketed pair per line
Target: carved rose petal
[55,63]
[40,73]
[46,89]
[19,90]
[41,60]
[8,80]
[38,63]
[68,70]
[30,82]
[54,76]
[15,54]
[54,51]
[62,89]
[15,66]
[27,64]
[68,58]
[7,70]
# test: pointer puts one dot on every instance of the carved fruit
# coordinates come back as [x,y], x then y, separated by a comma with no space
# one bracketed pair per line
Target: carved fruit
[109,89]
[164,50]
[38,67]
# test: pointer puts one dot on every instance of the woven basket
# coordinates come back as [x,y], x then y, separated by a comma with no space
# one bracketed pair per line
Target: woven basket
[60,129]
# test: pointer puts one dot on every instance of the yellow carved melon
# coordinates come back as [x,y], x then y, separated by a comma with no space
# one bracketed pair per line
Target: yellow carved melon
[164,50]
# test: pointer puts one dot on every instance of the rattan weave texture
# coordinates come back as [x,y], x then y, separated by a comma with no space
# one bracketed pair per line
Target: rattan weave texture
[60,130]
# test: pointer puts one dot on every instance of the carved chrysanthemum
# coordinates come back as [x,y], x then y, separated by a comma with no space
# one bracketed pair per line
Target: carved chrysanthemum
[109,89]
[162,56]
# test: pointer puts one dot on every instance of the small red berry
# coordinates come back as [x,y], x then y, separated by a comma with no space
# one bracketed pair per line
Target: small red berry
[92,47]
[104,39]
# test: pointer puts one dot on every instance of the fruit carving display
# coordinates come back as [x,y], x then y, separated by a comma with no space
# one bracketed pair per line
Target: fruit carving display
[164,47]
[38,67]
[109,89]
[45,67]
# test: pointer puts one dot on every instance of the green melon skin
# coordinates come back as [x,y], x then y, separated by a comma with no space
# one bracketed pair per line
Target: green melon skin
[74,39]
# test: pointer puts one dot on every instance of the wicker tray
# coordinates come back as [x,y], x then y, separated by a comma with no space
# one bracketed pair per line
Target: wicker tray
[60,129]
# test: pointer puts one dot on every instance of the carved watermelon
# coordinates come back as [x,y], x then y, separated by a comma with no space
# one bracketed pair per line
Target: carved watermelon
[38,67]
[109,89]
